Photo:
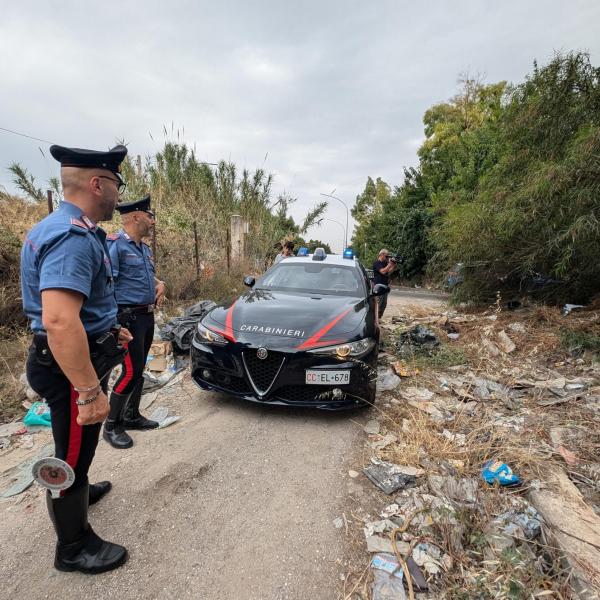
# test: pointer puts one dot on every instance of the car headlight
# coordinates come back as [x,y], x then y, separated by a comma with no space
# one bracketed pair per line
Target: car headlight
[208,336]
[350,349]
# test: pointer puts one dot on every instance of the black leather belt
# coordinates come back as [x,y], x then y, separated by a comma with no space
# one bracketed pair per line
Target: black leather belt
[136,309]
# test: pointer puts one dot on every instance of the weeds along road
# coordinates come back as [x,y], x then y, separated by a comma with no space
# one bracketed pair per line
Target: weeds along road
[233,501]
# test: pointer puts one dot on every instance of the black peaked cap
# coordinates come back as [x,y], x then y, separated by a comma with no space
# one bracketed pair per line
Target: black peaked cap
[90,159]
[143,204]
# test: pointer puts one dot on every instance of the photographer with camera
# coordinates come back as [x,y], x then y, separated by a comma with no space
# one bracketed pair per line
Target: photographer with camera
[382,268]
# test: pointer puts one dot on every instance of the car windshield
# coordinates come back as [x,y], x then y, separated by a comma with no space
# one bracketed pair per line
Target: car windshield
[313,278]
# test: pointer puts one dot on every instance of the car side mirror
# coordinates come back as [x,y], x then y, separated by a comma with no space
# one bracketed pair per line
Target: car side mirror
[379,289]
[249,281]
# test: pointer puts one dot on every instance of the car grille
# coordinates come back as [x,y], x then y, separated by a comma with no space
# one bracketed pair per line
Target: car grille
[308,393]
[263,372]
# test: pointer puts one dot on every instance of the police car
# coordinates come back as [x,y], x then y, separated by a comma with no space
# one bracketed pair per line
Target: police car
[305,334]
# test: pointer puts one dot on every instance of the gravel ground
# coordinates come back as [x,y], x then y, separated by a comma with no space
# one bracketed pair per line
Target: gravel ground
[233,501]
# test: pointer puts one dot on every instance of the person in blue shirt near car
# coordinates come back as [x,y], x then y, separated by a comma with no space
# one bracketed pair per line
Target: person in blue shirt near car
[68,295]
[137,291]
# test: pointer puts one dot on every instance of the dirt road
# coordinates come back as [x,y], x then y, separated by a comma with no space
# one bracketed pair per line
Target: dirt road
[233,501]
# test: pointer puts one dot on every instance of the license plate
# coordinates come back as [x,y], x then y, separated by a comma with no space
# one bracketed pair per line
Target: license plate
[327,377]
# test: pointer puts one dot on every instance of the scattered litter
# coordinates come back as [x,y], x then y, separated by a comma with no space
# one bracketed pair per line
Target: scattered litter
[528,521]
[490,346]
[414,393]
[147,400]
[377,543]
[428,407]
[384,441]
[180,330]
[458,490]
[505,343]
[382,526]
[418,340]
[403,370]
[387,578]
[517,327]
[161,416]
[387,380]
[558,383]
[21,476]
[458,438]
[496,472]
[152,383]
[4,443]
[157,356]
[429,557]
[453,336]
[372,427]
[338,522]
[38,414]
[390,511]
[353,474]
[388,477]
[14,428]
[569,308]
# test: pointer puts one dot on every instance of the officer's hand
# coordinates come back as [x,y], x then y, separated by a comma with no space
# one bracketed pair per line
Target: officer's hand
[94,412]
[124,336]
[160,292]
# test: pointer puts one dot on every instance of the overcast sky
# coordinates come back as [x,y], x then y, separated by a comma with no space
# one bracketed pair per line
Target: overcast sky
[331,91]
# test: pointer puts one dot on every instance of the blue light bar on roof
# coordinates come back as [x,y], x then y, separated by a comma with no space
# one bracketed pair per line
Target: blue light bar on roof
[348,253]
[303,251]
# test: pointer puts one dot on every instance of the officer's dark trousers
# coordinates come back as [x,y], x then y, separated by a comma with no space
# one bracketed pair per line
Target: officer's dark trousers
[130,381]
[381,304]
[73,443]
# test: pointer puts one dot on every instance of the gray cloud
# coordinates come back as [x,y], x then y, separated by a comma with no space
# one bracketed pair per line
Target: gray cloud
[333,91]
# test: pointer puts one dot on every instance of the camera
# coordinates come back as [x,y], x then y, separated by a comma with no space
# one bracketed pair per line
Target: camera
[395,258]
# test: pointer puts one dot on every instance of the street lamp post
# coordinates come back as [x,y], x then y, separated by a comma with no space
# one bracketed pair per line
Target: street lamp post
[347,213]
[338,223]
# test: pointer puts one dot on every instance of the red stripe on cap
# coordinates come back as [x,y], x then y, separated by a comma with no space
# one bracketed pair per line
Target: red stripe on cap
[75,431]
[127,372]
[313,340]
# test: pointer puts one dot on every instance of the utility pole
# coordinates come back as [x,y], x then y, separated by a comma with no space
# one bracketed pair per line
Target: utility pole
[347,213]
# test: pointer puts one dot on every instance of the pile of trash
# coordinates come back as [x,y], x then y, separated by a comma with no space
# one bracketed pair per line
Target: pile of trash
[484,476]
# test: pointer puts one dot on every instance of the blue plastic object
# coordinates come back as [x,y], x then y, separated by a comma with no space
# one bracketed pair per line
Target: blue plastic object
[497,472]
[348,253]
[38,414]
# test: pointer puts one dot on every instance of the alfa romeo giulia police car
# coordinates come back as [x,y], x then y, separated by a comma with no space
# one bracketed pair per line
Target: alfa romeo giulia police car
[305,334]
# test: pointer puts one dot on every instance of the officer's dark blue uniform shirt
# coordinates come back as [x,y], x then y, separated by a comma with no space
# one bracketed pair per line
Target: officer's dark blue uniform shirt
[133,269]
[66,250]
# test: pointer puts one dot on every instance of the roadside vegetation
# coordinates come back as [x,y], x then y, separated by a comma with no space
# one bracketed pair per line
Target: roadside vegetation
[507,187]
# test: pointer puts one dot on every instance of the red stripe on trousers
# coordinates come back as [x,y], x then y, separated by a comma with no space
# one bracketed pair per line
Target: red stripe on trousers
[128,367]
[75,431]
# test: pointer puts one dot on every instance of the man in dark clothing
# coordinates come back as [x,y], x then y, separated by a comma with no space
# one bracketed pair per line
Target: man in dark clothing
[382,268]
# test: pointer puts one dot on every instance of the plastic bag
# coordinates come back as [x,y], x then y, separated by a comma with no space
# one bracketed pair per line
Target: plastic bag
[38,414]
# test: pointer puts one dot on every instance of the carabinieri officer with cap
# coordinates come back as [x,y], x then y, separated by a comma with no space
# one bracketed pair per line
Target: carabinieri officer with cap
[68,294]
[137,291]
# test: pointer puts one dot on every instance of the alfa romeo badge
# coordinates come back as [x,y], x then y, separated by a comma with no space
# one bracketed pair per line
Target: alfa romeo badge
[54,474]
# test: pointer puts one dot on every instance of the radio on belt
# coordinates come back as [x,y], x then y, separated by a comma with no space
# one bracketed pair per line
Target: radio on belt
[53,474]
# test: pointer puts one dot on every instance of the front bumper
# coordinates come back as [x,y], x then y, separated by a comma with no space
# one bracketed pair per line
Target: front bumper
[280,379]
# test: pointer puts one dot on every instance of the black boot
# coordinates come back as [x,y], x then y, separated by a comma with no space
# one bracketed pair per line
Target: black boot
[114,432]
[132,417]
[97,490]
[78,547]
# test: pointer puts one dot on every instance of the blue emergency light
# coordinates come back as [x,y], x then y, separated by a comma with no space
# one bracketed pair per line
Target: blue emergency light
[303,251]
[348,253]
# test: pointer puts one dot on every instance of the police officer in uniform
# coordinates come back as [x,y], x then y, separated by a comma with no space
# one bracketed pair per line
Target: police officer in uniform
[68,294]
[137,291]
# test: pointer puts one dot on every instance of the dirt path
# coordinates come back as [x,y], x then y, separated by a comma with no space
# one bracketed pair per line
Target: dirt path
[233,501]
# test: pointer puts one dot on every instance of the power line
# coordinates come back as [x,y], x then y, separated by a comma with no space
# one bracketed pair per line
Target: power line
[25,135]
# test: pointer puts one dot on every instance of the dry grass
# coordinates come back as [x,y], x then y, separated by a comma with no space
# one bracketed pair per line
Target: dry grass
[529,568]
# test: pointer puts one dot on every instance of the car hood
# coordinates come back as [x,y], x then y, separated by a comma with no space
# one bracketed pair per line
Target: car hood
[281,319]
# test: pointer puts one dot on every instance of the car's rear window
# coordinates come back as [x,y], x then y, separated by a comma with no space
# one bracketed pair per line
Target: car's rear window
[313,278]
